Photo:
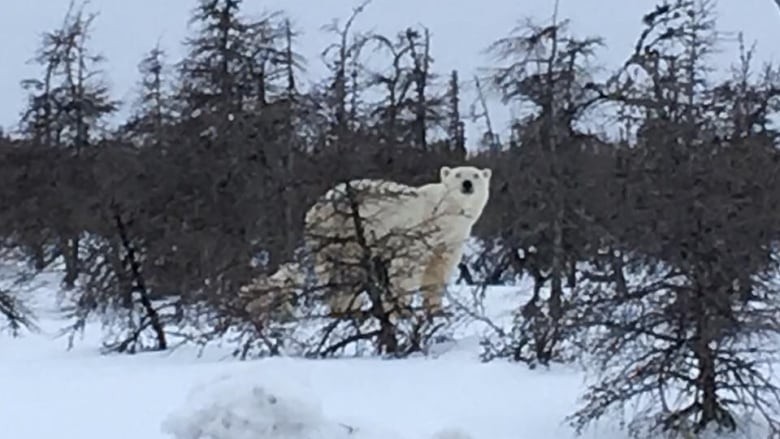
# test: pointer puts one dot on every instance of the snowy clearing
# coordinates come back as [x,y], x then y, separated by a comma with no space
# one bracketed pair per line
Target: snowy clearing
[50,392]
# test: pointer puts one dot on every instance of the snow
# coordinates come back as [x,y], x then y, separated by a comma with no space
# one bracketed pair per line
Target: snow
[228,407]
[51,392]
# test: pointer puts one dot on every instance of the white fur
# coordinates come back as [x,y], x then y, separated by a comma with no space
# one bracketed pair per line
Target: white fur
[421,230]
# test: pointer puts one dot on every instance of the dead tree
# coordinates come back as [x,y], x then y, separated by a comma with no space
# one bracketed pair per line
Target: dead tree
[68,110]
[546,68]
[680,311]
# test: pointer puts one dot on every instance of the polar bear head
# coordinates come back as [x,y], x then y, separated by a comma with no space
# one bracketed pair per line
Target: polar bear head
[467,187]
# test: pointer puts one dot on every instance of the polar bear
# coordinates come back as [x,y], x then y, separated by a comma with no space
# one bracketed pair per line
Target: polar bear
[419,231]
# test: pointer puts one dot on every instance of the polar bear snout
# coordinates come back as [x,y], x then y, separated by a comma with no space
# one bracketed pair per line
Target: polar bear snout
[467,187]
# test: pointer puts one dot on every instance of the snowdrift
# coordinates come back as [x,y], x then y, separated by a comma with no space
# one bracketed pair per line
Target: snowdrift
[238,407]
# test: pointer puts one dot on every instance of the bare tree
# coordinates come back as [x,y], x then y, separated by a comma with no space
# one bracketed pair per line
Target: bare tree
[66,109]
[547,68]
[456,131]
[680,312]
[343,68]
[154,108]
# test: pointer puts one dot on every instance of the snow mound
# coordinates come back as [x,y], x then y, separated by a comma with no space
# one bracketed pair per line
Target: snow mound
[231,408]
[234,407]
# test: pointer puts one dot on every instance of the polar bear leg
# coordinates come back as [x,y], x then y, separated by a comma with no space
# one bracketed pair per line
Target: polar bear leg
[343,297]
[333,282]
[342,302]
[405,278]
[439,270]
[276,292]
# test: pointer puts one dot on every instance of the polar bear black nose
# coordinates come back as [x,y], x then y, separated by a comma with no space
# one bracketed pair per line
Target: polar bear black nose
[467,187]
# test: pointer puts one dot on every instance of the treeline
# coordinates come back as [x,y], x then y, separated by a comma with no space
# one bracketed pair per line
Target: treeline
[652,251]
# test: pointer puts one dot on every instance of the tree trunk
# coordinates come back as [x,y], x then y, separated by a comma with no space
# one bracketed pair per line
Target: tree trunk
[70,252]
[140,284]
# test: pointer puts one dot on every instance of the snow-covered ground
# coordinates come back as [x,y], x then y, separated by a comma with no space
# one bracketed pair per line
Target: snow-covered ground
[48,392]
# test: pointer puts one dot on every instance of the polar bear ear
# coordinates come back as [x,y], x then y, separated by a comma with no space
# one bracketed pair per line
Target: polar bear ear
[444,172]
[487,172]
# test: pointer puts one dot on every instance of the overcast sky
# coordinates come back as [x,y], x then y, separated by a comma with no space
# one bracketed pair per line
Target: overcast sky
[125,30]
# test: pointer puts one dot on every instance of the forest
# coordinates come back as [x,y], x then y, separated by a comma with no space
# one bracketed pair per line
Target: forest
[652,248]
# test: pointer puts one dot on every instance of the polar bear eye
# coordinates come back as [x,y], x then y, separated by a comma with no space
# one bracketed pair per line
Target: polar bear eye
[457,175]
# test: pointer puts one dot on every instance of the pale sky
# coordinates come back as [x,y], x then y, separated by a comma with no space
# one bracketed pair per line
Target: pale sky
[125,30]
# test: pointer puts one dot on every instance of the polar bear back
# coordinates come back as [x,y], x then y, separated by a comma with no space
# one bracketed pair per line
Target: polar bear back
[384,207]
